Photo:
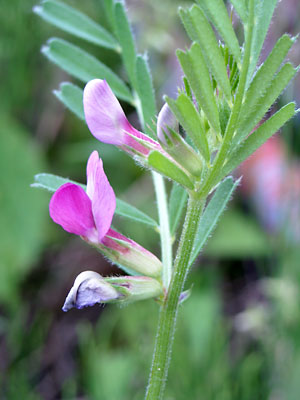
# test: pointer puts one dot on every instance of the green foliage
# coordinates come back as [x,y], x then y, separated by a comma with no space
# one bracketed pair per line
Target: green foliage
[84,66]
[265,74]
[75,23]
[217,12]
[128,211]
[259,137]
[186,113]
[249,120]
[23,211]
[144,88]
[263,13]
[165,166]
[177,202]
[126,40]
[211,51]
[241,9]
[238,236]
[53,182]
[212,213]
[72,97]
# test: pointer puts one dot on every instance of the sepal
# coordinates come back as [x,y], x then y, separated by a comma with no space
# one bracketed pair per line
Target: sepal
[125,252]
[135,288]
[166,166]
[182,152]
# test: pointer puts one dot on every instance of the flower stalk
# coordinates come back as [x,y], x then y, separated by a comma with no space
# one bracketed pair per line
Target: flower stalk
[169,309]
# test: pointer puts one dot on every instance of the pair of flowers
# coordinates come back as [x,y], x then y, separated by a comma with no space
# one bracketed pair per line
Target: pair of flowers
[89,213]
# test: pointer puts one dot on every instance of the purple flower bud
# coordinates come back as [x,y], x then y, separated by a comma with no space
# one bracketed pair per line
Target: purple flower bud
[89,289]
[165,119]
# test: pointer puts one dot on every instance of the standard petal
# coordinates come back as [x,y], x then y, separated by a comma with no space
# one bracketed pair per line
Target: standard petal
[103,200]
[103,113]
[71,208]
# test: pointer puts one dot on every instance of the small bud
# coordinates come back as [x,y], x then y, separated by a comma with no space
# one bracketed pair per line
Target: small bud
[89,289]
[165,120]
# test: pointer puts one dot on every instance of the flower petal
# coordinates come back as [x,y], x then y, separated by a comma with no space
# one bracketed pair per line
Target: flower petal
[103,197]
[103,113]
[106,119]
[90,173]
[71,208]
[89,289]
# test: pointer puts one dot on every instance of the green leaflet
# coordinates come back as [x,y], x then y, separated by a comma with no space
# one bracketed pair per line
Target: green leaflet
[145,91]
[186,113]
[76,23]
[266,72]
[72,97]
[212,213]
[52,182]
[177,202]
[128,211]
[263,13]
[240,7]
[84,66]
[126,40]
[277,85]
[166,167]
[210,48]
[258,137]
[188,24]
[108,7]
[217,12]
[196,71]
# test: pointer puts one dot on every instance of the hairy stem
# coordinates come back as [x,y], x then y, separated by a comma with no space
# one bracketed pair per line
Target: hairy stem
[169,309]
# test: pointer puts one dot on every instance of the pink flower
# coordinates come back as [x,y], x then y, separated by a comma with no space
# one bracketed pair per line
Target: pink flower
[107,122]
[89,214]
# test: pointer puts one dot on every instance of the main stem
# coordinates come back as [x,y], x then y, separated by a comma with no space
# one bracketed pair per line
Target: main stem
[169,309]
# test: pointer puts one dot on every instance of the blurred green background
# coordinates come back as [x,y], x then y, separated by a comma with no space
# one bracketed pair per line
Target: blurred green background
[238,335]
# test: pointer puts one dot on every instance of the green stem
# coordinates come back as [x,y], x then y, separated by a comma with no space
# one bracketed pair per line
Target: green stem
[165,234]
[169,309]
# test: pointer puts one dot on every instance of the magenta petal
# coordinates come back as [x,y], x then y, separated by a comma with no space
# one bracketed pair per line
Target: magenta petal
[103,199]
[71,208]
[103,113]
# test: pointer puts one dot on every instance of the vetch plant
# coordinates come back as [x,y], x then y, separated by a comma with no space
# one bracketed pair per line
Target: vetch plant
[214,124]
